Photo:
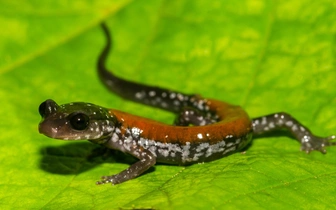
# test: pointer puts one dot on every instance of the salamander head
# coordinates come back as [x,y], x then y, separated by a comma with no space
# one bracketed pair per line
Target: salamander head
[75,121]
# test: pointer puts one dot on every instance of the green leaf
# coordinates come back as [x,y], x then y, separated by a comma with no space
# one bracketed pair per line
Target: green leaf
[266,56]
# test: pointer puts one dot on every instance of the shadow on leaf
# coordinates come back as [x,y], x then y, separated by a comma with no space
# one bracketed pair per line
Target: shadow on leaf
[78,157]
[278,133]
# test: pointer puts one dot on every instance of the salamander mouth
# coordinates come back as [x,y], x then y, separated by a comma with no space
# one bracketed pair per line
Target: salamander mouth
[54,130]
[47,129]
[61,130]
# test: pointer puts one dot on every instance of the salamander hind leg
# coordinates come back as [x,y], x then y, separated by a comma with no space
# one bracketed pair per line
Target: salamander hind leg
[192,116]
[309,141]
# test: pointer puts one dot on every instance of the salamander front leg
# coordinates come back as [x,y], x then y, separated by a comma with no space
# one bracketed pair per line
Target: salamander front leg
[309,142]
[147,159]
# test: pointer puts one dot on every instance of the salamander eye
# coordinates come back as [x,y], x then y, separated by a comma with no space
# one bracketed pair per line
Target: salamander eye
[42,109]
[48,107]
[79,121]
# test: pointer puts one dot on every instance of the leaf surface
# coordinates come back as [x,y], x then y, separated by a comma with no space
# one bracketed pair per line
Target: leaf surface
[266,56]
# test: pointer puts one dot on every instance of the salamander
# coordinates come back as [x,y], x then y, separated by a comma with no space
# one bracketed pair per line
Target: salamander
[204,129]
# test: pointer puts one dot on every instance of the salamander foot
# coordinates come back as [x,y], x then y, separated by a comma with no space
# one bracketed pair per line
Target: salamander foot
[310,143]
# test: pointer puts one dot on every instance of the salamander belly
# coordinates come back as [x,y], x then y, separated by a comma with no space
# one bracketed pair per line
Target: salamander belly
[188,153]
